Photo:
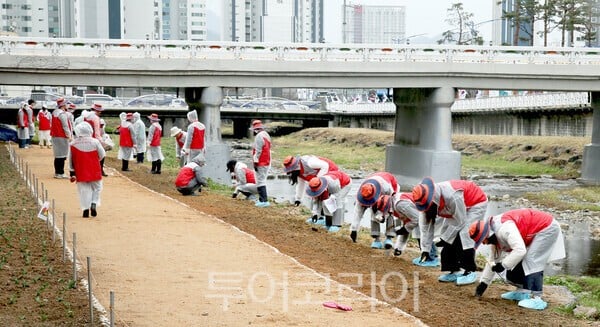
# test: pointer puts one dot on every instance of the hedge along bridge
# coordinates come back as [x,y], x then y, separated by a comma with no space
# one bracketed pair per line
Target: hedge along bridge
[424,79]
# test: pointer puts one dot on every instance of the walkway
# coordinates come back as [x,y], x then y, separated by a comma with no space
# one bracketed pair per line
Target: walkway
[171,265]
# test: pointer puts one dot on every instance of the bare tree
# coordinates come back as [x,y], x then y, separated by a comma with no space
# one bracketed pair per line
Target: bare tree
[466,32]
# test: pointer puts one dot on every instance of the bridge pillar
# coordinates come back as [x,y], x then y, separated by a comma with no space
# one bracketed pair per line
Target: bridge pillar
[209,113]
[590,168]
[423,137]
[241,128]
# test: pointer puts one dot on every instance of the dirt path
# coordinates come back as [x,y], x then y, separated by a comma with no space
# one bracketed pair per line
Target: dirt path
[171,265]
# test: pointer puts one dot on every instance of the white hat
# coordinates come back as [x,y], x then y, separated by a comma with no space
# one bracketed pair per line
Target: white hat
[175,130]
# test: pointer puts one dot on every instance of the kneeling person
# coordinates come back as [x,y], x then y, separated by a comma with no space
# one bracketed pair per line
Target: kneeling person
[243,178]
[190,178]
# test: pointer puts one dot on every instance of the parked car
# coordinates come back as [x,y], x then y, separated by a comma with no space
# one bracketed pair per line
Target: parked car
[156,100]
[104,99]
[15,101]
[48,99]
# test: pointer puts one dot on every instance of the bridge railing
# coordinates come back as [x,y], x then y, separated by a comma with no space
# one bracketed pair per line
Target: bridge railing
[524,102]
[177,49]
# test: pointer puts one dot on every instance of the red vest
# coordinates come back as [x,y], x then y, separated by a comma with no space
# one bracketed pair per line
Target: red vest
[528,221]
[44,121]
[250,177]
[156,137]
[388,178]
[341,176]
[197,139]
[125,139]
[308,174]
[25,119]
[86,165]
[186,174]
[56,129]
[265,155]
[179,140]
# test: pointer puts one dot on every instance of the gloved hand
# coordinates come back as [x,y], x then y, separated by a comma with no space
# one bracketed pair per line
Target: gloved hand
[442,243]
[498,267]
[234,195]
[255,166]
[314,219]
[353,236]
[402,231]
[480,289]
[73,179]
[296,203]
[397,252]
[425,257]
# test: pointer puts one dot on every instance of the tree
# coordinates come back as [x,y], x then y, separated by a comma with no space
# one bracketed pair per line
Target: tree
[466,32]
[547,15]
[569,17]
[586,26]
[523,16]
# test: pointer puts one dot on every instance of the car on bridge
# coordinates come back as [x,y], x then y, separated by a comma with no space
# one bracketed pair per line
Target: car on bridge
[104,99]
[274,103]
[157,100]
[14,101]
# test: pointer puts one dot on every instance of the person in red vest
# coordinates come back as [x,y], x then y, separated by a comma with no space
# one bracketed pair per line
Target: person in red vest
[407,220]
[328,194]
[522,242]
[460,203]
[195,138]
[23,126]
[44,118]
[62,133]
[93,118]
[126,141]
[243,179]
[375,185]
[301,169]
[154,150]
[261,157]
[190,177]
[84,165]
[180,137]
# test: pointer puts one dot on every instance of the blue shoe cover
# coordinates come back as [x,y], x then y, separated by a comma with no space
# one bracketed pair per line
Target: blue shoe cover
[309,220]
[429,263]
[388,244]
[516,296]
[466,279]
[536,303]
[376,245]
[333,229]
[320,221]
[448,278]
[262,204]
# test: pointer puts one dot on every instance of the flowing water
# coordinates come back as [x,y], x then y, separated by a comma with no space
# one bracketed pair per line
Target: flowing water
[583,252]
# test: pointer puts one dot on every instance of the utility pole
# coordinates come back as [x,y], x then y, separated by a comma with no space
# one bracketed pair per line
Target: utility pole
[344,32]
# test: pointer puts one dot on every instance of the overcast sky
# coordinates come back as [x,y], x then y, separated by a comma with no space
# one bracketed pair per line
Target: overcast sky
[422,16]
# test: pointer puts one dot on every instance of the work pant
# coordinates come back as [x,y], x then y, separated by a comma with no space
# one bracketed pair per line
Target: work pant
[454,257]
[59,166]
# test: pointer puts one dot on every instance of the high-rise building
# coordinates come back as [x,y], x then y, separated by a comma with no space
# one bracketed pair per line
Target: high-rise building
[374,24]
[273,20]
[116,19]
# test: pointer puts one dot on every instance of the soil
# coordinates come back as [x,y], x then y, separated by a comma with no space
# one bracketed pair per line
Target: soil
[160,250]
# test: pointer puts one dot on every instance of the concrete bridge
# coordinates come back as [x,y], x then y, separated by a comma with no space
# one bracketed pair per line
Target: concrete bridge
[424,79]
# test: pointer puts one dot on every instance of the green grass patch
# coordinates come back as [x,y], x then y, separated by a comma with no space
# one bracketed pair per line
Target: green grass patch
[578,198]
[586,290]
[493,164]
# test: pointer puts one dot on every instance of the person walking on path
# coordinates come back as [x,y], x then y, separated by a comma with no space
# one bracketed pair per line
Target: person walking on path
[301,169]
[30,105]
[374,186]
[154,151]
[126,141]
[23,126]
[408,219]
[139,129]
[460,203]
[522,242]
[261,157]
[243,179]
[195,136]
[85,155]
[44,118]
[328,194]
[190,177]
[62,133]
[180,137]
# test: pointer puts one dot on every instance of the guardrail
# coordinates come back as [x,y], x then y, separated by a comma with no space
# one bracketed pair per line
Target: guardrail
[564,100]
[175,49]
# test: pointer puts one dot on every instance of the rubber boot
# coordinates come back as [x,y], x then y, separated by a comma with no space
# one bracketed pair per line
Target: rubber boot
[140,157]
[158,166]
[124,165]
[262,197]
[153,167]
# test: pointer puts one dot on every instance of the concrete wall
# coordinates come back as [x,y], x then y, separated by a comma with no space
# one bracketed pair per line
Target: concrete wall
[563,123]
